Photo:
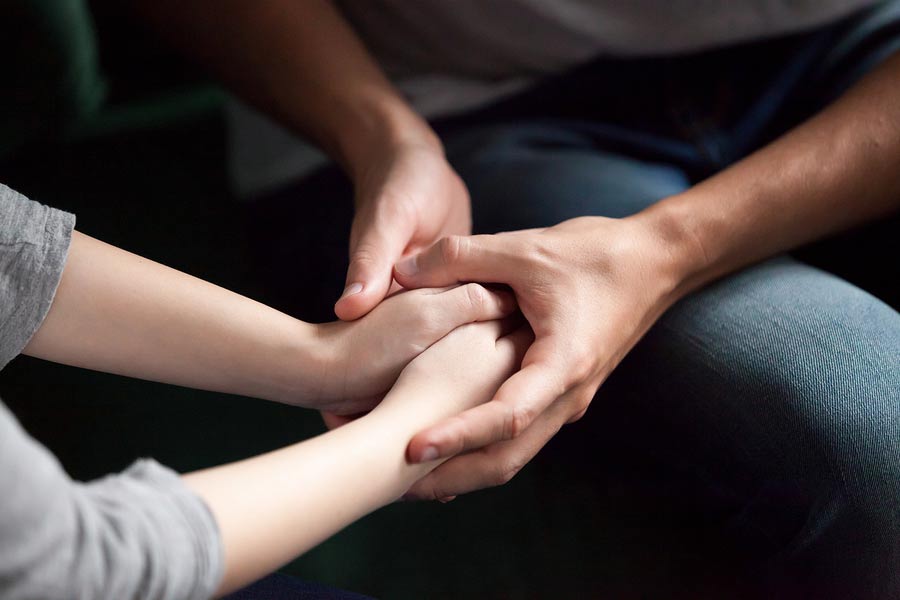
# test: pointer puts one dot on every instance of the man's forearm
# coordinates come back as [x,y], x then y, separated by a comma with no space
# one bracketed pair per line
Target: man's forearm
[300,62]
[121,313]
[836,171]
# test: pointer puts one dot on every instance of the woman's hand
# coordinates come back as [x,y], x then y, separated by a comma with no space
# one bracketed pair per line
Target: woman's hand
[461,371]
[590,288]
[302,494]
[365,356]
[407,198]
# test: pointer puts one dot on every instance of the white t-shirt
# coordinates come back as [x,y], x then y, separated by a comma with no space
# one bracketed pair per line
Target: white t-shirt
[448,56]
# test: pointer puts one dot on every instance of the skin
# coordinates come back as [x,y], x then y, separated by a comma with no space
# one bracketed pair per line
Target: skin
[117,312]
[120,313]
[589,287]
[298,495]
[615,277]
[302,63]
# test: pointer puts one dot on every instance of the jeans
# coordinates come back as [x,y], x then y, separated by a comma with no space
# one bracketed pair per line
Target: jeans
[776,389]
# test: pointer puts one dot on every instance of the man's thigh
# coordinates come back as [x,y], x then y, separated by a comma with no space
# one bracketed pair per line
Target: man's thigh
[777,386]
[537,174]
[778,390]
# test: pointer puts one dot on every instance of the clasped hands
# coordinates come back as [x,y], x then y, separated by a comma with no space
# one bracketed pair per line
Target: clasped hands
[589,288]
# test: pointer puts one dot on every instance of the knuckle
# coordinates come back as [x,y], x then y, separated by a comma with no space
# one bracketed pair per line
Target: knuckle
[427,492]
[451,248]
[476,296]
[519,418]
[578,415]
[581,366]
[506,471]
[365,254]
[459,435]
[581,403]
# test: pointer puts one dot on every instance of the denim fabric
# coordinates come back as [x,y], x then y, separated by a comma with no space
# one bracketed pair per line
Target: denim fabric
[775,390]
[778,387]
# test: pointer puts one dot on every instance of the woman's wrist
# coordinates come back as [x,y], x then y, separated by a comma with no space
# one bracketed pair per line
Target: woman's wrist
[302,364]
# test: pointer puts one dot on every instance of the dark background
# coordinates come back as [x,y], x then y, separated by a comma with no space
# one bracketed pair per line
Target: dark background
[98,118]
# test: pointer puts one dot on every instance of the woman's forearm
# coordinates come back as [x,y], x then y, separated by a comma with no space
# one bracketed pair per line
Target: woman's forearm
[837,170]
[124,314]
[301,63]
[274,507]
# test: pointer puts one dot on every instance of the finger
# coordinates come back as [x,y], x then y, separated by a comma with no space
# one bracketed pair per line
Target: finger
[519,400]
[369,276]
[491,466]
[456,259]
[518,335]
[519,232]
[471,303]
[514,323]
[333,421]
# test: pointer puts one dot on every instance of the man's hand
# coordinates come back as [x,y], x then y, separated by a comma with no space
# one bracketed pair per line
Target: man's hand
[407,198]
[590,288]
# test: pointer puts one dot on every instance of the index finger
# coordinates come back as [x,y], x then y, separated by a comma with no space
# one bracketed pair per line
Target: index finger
[514,407]
[459,258]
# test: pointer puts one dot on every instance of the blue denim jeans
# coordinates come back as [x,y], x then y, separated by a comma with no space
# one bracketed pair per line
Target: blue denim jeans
[778,386]
[776,390]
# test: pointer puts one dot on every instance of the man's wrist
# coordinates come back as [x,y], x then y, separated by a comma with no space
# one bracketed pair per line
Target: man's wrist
[683,252]
[379,127]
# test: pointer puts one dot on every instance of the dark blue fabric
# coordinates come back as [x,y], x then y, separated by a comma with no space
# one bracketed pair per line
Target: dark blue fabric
[776,391]
[279,586]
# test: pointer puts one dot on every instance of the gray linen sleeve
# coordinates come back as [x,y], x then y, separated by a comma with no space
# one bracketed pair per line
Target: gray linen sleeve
[138,534]
[34,242]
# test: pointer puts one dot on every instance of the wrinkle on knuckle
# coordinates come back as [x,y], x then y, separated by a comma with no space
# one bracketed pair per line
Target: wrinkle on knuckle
[476,296]
[426,320]
[506,471]
[430,492]
[520,417]
[451,249]
[581,366]
[544,255]
[366,254]
[459,436]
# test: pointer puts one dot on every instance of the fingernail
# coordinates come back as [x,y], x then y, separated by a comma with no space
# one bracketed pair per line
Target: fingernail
[408,266]
[447,499]
[429,454]
[353,288]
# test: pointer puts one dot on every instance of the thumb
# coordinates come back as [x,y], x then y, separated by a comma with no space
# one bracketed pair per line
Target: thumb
[455,259]
[369,274]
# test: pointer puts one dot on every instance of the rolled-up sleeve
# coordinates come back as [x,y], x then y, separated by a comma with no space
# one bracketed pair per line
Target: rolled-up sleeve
[34,242]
